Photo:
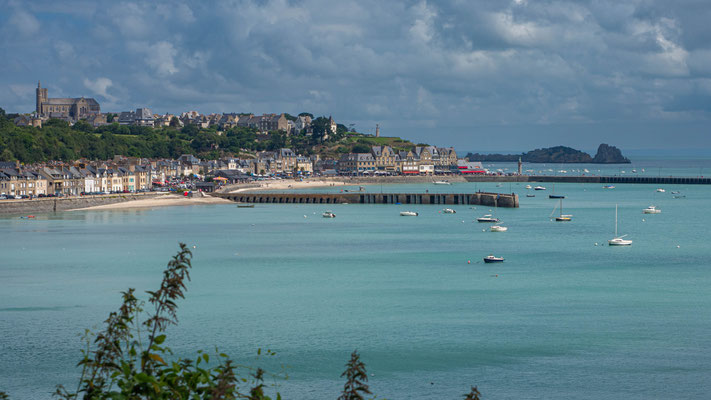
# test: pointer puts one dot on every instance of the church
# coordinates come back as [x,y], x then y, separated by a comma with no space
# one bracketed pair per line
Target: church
[65,108]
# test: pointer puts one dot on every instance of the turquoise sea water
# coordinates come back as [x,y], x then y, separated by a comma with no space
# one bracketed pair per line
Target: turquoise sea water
[561,318]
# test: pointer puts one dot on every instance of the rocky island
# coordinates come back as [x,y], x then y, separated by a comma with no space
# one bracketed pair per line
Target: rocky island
[606,154]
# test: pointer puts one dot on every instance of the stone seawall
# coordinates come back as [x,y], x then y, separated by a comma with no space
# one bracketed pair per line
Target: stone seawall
[54,204]
[478,198]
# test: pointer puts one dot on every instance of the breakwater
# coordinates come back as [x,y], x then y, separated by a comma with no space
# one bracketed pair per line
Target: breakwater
[55,204]
[658,180]
[478,198]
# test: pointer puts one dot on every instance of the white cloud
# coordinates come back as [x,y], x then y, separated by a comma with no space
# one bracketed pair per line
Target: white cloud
[24,23]
[161,57]
[100,86]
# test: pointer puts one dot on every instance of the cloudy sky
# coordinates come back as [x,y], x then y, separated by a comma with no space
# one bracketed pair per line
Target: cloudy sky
[478,75]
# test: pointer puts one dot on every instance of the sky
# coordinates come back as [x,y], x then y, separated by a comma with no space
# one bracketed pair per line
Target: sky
[487,75]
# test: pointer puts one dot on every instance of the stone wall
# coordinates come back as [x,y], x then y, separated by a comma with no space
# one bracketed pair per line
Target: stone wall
[54,204]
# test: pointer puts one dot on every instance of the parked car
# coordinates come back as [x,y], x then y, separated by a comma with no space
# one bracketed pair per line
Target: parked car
[3,197]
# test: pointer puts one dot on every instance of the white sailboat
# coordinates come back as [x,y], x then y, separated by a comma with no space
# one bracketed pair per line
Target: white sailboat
[618,240]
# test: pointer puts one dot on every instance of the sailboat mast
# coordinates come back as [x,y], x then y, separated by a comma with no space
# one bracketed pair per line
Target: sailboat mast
[561,208]
[615,220]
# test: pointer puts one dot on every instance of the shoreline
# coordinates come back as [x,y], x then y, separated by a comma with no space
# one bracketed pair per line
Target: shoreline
[167,200]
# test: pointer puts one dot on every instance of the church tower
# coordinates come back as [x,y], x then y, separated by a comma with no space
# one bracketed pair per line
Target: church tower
[41,95]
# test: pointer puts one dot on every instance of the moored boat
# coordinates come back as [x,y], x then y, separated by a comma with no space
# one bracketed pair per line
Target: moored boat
[492,259]
[618,240]
[245,205]
[530,195]
[328,214]
[498,228]
[652,210]
[608,187]
[449,211]
[528,186]
[445,182]
[487,219]
[539,188]
[408,214]
[660,190]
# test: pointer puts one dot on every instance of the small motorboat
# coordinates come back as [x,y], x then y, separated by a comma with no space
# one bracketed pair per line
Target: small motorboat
[528,186]
[530,195]
[660,190]
[608,187]
[498,228]
[539,188]
[441,183]
[245,205]
[675,192]
[556,196]
[487,219]
[679,196]
[492,259]
[328,214]
[449,211]
[408,214]
[27,217]
[652,210]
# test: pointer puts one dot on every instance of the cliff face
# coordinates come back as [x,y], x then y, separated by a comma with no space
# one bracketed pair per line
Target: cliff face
[607,154]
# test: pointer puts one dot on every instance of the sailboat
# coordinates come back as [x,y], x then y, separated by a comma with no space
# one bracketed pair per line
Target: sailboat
[561,217]
[555,196]
[618,240]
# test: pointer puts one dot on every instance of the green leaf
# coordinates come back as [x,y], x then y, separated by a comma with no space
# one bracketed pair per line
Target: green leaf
[206,357]
[159,339]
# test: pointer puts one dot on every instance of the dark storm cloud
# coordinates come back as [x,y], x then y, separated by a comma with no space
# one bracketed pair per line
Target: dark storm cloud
[450,72]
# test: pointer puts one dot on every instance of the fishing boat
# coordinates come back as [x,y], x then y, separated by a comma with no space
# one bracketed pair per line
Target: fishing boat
[487,219]
[652,210]
[328,214]
[445,182]
[491,259]
[245,205]
[498,228]
[449,211]
[539,188]
[618,240]
[561,217]
[408,214]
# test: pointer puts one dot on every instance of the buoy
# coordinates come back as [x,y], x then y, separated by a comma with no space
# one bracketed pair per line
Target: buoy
[643,220]
[194,246]
[677,246]
[304,216]
[469,261]
[595,243]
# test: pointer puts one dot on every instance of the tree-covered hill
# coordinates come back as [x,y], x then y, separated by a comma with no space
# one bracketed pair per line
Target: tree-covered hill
[56,140]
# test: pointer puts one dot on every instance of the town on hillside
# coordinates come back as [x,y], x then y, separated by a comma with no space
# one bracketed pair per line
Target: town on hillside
[354,155]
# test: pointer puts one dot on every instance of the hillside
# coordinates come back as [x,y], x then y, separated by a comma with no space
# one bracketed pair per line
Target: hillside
[56,140]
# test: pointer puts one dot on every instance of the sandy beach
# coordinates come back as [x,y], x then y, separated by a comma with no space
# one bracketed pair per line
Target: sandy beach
[287,184]
[166,200]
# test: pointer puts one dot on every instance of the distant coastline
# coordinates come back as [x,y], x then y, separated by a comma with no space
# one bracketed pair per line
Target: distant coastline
[606,154]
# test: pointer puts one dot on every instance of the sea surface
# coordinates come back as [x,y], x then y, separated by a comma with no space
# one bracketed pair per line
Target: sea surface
[564,317]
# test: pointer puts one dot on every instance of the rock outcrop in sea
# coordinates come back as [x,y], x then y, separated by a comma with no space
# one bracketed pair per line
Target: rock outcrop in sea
[607,154]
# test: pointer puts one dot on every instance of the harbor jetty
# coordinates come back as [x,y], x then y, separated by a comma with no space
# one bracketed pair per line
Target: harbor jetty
[509,200]
[657,180]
